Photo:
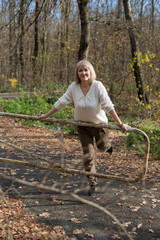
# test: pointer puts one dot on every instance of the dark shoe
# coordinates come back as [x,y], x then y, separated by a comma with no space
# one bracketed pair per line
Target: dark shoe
[91,191]
[110,150]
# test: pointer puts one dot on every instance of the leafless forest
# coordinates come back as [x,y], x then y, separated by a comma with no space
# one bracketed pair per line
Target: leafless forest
[41,41]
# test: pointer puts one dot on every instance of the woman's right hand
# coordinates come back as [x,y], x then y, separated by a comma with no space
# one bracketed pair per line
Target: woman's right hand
[48,114]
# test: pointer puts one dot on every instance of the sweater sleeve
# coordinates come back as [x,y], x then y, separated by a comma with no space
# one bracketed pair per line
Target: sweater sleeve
[105,101]
[65,99]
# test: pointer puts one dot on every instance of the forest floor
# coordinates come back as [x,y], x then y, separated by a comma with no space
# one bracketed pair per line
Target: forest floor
[30,213]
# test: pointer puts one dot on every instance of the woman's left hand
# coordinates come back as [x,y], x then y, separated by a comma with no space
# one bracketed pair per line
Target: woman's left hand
[124,127]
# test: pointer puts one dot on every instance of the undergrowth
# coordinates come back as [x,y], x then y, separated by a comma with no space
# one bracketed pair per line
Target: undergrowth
[40,104]
[136,141]
[36,106]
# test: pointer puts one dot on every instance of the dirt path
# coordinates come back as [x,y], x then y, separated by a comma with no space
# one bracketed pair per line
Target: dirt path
[9,96]
[135,205]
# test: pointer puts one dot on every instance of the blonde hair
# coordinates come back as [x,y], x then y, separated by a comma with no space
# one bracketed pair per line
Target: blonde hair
[84,63]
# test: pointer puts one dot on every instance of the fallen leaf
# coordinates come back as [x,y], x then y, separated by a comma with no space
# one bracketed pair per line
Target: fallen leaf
[115,236]
[77,231]
[75,220]
[143,202]
[45,214]
[106,229]
[126,224]
[154,205]
[97,199]
[139,225]
[120,204]
[134,208]
[89,235]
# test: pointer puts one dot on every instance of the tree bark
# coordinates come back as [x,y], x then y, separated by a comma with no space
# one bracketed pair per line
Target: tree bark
[141,15]
[85,30]
[21,16]
[36,42]
[152,18]
[119,9]
[12,37]
[135,52]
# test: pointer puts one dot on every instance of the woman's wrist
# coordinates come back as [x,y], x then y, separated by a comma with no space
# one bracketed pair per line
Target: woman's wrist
[120,125]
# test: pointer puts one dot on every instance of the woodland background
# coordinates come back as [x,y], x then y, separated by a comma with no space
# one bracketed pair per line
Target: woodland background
[41,41]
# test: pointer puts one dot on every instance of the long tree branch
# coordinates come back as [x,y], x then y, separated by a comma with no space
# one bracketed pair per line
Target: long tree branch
[69,170]
[78,123]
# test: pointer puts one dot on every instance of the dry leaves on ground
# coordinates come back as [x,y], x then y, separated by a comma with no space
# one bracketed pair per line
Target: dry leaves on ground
[20,225]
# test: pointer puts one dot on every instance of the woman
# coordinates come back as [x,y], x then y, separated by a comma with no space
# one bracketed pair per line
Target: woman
[91,102]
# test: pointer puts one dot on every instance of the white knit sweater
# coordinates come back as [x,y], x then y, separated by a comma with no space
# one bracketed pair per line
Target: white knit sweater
[89,108]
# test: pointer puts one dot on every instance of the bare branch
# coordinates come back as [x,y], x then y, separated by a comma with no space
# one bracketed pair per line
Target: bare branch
[65,122]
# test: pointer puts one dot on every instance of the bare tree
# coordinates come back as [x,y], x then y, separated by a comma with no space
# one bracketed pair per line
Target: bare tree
[21,49]
[85,32]
[12,37]
[44,43]
[119,9]
[64,40]
[152,17]
[135,51]
[36,41]
[141,14]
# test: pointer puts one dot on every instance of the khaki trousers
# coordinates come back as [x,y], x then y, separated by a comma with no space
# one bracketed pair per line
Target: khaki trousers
[88,137]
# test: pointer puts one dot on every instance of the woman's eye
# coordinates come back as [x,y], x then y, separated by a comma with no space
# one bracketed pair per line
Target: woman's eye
[81,70]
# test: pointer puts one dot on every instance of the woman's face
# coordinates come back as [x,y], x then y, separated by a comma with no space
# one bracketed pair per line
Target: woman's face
[84,73]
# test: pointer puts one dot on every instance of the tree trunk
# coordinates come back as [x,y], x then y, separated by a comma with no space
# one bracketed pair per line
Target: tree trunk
[12,37]
[21,16]
[141,15]
[119,9]
[135,51]
[85,31]
[62,46]
[36,43]
[67,11]
[152,18]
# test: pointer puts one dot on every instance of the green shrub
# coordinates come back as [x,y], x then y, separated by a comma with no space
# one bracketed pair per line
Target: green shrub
[37,105]
[136,141]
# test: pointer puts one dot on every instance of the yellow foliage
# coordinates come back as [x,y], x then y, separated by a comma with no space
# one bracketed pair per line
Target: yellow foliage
[148,106]
[147,58]
[13,82]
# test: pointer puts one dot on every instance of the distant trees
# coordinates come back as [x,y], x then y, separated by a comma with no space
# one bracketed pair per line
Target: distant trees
[40,42]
